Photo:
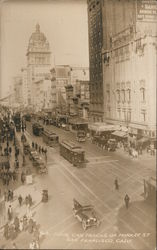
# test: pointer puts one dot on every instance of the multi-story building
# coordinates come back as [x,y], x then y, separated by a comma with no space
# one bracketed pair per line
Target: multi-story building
[38,61]
[17,91]
[26,93]
[129,40]
[129,64]
[95,59]
[42,98]
[62,80]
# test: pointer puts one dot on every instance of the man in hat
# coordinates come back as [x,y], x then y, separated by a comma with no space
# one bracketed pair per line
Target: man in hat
[127,199]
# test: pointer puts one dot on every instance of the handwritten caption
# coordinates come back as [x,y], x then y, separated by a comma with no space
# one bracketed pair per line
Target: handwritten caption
[102,238]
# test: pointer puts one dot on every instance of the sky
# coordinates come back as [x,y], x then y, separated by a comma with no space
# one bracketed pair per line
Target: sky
[64,24]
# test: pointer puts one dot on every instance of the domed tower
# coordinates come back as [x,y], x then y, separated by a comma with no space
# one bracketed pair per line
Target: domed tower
[38,64]
[38,52]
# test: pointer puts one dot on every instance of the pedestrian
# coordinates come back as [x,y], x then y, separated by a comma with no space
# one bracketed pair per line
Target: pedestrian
[32,144]
[6,231]
[127,199]
[23,177]
[24,222]
[10,150]
[45,151]
[5,195]
[21,225]
[13,232]
[116,184]
[10,213]
[14,246]
[26,200]
[24,160]
[30,200]
[16,223]
[11,195]
[20,200]
[39,149]
[30,225]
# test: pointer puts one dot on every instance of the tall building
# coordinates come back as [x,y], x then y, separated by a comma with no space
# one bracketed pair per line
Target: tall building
[129,50]
[95,59]
[38,62]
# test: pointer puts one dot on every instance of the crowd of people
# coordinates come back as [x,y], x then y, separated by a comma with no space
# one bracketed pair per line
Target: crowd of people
[39,148]
[18,225]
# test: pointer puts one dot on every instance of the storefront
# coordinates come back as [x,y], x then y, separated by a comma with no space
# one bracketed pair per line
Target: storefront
[78,124]
[120,135]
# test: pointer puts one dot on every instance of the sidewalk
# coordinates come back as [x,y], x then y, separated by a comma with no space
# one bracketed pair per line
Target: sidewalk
[141,158]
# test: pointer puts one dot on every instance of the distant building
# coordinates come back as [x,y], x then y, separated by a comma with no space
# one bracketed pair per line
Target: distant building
[42,95]
[26,92]
[66,76]
[17,91]
[38,62]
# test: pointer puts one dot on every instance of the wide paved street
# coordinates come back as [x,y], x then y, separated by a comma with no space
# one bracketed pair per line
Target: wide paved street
[120,228]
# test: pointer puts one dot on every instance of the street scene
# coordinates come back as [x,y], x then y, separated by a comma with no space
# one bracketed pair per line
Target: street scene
[78,135]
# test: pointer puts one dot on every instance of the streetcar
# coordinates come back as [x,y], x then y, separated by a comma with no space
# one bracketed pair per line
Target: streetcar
[73,153]
[50,138]
[37,129]
[81,136]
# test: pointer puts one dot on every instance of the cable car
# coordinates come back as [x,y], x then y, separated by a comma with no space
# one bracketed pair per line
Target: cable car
[37,129]
[73,153]
[50,138]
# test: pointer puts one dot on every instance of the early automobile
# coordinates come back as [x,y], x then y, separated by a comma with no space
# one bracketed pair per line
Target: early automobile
[85,214]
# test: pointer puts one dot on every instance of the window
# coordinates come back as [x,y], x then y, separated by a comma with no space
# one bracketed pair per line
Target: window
[143,95]
[118,95]
[108,95]
[119,114]
[129,116]
[143,115]
[123,95]
[128,95]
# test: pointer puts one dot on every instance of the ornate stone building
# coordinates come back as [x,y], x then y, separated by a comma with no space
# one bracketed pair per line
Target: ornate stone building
[38,64]
[128,34]
[129,64]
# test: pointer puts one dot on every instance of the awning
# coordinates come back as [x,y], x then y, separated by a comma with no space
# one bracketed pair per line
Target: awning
[102,127]
[120,133]
[77,121]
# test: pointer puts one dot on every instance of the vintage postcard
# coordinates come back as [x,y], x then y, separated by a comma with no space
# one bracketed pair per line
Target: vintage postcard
[78,124]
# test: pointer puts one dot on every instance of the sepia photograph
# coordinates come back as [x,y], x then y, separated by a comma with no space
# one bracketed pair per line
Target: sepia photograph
[78,124]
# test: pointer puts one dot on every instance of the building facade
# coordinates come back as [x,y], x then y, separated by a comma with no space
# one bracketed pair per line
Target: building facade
[129,65]
[95,59]
[128,79]
[38,62]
